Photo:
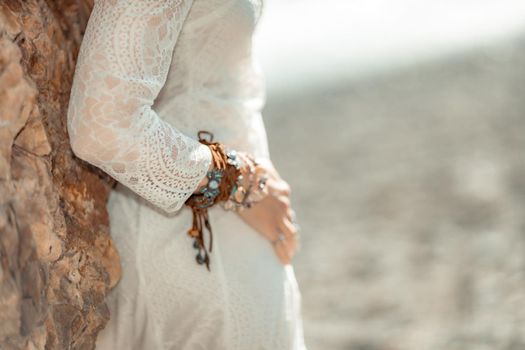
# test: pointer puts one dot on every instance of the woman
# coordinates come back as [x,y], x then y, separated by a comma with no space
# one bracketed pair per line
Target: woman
[150,75]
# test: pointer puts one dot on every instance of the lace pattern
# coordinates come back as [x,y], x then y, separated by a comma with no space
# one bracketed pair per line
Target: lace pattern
[123,63]
[150,74]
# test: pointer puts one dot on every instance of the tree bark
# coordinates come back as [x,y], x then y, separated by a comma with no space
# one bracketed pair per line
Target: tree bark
[57,261]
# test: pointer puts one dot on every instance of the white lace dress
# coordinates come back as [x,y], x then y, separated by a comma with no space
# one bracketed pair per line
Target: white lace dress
[150,74]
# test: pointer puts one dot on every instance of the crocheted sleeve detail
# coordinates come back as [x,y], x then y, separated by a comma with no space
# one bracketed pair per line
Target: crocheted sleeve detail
[122,65]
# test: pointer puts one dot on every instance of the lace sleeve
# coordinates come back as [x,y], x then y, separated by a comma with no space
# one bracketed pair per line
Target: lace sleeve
[122,65]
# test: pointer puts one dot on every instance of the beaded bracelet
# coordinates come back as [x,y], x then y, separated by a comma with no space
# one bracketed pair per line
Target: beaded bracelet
[224,185]
[221,179]
[240,197]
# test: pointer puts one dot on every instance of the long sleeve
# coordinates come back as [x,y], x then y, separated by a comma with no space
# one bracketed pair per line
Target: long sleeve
[122,65]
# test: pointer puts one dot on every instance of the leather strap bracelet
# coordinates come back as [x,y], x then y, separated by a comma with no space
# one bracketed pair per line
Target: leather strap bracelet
[222,179]
[225,185]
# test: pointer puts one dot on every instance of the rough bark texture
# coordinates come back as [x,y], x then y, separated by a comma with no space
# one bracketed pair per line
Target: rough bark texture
[57,262]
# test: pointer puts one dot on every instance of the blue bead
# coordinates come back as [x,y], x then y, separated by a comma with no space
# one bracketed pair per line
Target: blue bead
[199,258]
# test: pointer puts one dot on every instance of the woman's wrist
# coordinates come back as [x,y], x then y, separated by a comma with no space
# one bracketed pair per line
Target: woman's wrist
[224,183]
[204,180]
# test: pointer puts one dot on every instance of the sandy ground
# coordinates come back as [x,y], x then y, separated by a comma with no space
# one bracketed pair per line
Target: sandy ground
[410,190]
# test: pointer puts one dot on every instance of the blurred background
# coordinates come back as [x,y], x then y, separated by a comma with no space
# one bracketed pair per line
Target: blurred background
[400,125]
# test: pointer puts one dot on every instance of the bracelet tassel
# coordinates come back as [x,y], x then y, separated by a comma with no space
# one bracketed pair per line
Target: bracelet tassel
[200,217]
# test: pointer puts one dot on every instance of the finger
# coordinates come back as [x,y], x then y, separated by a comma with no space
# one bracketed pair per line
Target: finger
[282,205]
[281,251]
[278,241]
[291,214]
[288,229]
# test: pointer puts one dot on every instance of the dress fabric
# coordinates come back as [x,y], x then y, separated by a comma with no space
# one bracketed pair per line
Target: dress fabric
[150,75]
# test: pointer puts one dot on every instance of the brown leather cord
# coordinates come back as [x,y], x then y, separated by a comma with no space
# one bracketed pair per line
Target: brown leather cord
[200,214]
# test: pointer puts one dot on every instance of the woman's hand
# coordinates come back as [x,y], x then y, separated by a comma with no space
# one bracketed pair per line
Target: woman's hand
[273,215]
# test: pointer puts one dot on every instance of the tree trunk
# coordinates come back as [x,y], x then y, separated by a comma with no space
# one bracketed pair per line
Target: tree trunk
[57,261]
